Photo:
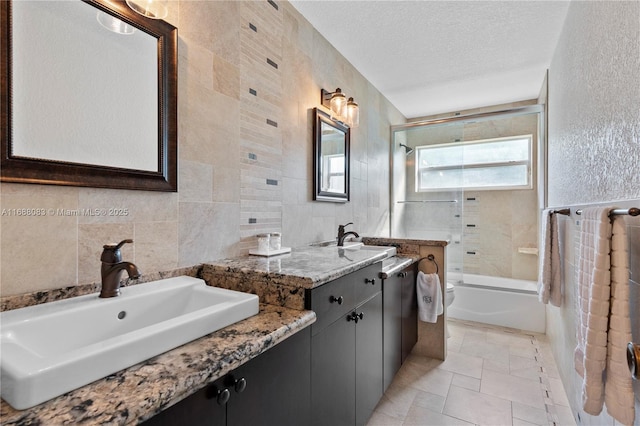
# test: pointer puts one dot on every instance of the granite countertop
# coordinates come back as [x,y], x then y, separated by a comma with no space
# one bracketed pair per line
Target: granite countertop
[283,280]
[138,392]
[395,265]
[305,267]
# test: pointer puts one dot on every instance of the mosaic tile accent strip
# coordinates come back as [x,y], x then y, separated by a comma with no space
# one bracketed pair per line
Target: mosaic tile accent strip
[260,136]
[272,63]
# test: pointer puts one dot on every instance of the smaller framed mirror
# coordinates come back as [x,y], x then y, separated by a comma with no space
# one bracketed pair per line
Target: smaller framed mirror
[331,159]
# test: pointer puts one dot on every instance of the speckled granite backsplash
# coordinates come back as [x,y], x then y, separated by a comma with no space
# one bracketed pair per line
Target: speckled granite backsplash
[38,297]
[406,247]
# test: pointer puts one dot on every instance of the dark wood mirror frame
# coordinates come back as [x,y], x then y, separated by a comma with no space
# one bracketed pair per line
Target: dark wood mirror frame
[27,170]
[319,194]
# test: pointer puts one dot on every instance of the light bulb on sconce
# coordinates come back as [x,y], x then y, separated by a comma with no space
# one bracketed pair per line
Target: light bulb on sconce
[114,24]
[154,9]
[353,113]
[338,105]
[343,110]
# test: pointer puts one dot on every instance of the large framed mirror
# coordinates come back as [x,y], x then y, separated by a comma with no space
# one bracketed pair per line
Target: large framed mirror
[331,159]
[89,95]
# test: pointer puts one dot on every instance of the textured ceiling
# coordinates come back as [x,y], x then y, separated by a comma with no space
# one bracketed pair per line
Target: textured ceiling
[430,57]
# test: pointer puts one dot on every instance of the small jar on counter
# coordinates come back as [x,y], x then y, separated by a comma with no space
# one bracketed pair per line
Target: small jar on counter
[275,240]
[263,242]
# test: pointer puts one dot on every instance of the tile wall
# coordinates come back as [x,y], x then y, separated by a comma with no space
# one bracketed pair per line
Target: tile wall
[250,74]
[594,154]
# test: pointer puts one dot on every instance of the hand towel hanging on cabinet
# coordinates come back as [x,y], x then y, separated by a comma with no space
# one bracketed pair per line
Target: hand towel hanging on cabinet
[429,297]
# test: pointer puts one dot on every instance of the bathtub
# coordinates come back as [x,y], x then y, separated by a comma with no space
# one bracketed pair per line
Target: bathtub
[499,301]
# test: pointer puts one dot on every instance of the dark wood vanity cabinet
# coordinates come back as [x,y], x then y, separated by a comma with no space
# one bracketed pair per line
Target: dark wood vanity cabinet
[272,389]
[400,320]
[409,311]
[346,348]
[392,327]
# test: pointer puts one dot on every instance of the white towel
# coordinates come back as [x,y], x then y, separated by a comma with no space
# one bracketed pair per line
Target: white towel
[549,271]
[602,293]
[593,293]
[429,297]
[618,389]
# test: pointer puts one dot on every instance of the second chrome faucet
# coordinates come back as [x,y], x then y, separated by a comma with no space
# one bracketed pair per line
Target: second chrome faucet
[112,267]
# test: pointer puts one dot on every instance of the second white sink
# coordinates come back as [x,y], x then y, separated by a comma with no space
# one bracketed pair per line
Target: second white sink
[389,250]
[52,348]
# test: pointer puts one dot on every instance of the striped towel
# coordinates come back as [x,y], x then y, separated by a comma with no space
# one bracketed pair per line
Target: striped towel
[603,293]
[593,286]
[618,389]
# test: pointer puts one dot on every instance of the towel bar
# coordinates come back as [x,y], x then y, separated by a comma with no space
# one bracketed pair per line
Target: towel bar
[566,212]
[431,258]
[633,359]
[633,211]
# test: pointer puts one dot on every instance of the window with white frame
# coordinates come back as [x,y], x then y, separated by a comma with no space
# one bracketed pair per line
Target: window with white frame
[501,163]
[333,173]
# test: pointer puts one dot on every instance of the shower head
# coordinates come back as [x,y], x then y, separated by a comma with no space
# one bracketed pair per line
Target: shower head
[408,149]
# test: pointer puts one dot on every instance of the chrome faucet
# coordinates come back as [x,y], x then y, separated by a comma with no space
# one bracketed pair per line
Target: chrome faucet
[342,235]
[112,266]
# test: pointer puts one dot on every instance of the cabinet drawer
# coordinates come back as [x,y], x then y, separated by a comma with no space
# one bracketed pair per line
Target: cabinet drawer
[330,301]
[338,297]
[366,282]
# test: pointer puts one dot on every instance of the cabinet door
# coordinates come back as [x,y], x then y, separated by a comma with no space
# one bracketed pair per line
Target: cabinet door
[277,388]
[199,409]
[392,327]
[369,382]
[333,374]
[409,311]
[271,389]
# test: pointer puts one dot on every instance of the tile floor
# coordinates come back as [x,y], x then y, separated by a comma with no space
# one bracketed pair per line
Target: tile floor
[493,376]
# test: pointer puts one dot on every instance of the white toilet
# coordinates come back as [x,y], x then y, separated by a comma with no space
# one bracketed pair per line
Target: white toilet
[449,296]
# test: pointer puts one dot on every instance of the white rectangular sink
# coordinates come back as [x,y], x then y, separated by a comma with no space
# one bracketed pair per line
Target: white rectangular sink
[52,348]
[389,250]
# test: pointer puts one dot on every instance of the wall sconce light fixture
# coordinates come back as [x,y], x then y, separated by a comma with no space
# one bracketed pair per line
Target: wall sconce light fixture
[343,110]
[155,9]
